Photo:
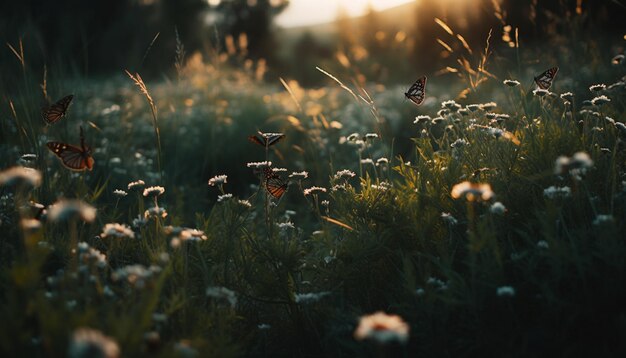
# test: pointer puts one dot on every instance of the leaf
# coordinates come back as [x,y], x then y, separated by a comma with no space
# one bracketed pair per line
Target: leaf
[337,222]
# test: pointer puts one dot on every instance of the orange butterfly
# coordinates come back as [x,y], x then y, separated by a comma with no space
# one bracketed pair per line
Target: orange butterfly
[55,112]
[274,185]
[544,80]
[266,139]
[417,92]
[72,157]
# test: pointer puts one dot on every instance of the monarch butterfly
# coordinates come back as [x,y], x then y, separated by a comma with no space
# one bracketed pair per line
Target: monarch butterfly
[274,185]
[55,112]
[266,139]
[417,91]
[72,157]
[544,80]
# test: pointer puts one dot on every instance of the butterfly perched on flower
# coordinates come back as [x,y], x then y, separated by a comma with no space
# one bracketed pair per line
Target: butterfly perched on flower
[274,184]
[73,157]
[266,139]
[544,80]
[56,111]
[417,92]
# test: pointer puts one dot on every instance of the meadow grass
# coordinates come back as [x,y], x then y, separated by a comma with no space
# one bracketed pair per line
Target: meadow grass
[529,264]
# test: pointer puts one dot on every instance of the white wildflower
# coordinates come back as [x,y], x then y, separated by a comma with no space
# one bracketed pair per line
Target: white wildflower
[301,175]
[120,193]
[244,203]
[313,190]
[154,191]
[603,219]
[473,107]
[155,212]
[87,342]
[488,106]
[382,328]
[567,96]
[222,293]
[459,143]
[64,210]
[117,231]
[597,87]
[555,192]
[286,225]
[497,208]
[543,244]
[345,173]
[600,100]
[136,184]
[218,180]
[221,198]
[382,161]
[15,175]
[307,298]
[258,165]
[422,119]
[382,186]
[505,291]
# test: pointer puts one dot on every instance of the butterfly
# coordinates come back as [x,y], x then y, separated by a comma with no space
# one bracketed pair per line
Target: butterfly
[266,139]
[274,184]
[544,80]
[55,112]
[72,157]
[417,91]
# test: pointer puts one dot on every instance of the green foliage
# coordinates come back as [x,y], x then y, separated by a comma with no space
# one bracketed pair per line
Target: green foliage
[541,273]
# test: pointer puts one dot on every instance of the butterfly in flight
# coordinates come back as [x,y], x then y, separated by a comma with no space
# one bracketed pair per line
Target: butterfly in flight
[274,184]
[73,157]
[417,92]
[266,140]
[544,80]
[56,111]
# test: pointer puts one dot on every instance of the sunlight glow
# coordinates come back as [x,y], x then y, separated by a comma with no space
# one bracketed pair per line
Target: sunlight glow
[308,12]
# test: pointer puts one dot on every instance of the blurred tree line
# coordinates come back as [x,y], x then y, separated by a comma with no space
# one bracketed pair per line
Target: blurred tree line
[100,36]
[389,45]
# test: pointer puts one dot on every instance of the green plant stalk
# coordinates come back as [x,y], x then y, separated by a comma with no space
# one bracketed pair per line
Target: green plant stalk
[157,134]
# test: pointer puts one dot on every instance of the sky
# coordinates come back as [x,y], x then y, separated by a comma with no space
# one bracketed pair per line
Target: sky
[310,12]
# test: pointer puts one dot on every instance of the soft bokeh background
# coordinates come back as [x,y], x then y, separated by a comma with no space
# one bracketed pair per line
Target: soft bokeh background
[379,222]
[387,39]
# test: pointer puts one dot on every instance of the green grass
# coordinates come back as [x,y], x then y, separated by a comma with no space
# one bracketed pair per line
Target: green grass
[386,245]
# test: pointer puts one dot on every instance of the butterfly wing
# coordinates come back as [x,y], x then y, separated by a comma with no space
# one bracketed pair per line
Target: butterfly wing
[544,80]
[269,173]
[274,138]
[417,92]
[257,140]
[55,112]
[275,186]
[266,139]
[72,157]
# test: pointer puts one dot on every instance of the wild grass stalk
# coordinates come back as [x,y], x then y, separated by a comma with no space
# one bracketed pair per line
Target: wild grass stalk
[142,87]
[179,59]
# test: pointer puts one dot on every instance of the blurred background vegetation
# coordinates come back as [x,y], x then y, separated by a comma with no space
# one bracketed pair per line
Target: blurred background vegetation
[212,71]
[99,37]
